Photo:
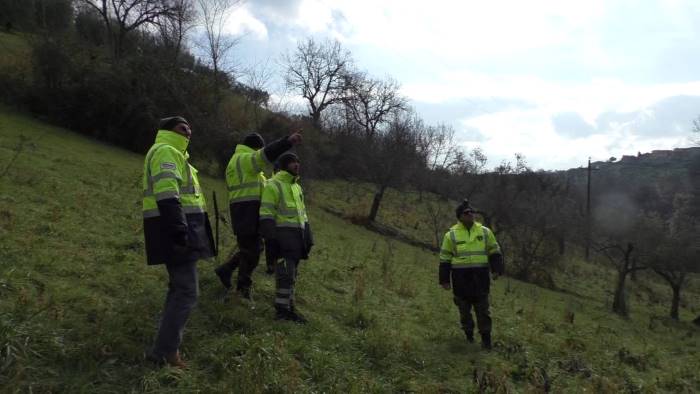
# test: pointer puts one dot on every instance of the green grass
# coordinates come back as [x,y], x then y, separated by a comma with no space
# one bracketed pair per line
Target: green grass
[16,52]
[78,305]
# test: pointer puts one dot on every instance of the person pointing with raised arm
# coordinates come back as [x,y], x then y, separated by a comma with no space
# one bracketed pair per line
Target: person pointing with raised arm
[245,180]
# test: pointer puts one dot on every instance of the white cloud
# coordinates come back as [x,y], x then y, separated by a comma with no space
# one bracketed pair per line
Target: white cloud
[241,21]
[609,62]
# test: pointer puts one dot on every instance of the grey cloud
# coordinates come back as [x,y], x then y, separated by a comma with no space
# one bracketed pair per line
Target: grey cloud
[608,119]
[571,124]
[672,116]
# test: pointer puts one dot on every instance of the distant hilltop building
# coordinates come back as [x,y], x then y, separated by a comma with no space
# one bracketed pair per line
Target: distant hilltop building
[655,157]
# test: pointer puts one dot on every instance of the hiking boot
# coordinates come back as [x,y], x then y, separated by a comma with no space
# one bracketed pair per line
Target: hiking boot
[224,273]
[244,292]
[298,317]
[470,337]
[174,360]
[290,316]
[486,341]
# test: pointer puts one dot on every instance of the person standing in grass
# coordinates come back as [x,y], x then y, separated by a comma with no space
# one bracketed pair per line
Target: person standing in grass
[285,227]
[176,230]
[245,180]
[469,249]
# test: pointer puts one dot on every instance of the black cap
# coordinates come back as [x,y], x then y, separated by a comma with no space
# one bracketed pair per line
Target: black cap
[286,158]
[463,206]
[171,122]
[254,140]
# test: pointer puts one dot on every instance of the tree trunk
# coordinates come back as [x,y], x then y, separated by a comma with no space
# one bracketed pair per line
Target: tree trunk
[675,302]
[375,203]
[562,244]
[619,305]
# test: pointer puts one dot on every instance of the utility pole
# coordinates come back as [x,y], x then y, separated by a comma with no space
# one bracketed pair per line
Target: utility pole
[588,213]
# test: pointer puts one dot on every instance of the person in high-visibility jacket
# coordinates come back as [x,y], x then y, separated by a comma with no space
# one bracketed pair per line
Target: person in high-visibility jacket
[176,229]
[285,226]
[245,179]
[469,250]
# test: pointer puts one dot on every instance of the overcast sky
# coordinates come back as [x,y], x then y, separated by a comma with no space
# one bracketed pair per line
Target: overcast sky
[557,81]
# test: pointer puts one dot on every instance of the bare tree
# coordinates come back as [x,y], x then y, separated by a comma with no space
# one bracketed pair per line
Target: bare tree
[626,237]
[391,156]
[257,78]
[439,146]
[214,15]
[621,257]
[678,254]
[318,71]
[174,26]
[124,16]
[372,102]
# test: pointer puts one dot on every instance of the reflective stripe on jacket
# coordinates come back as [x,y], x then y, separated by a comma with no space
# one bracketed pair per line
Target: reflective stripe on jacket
[167,174]
[283,201]
[244,174]
[468,248]
[175,222]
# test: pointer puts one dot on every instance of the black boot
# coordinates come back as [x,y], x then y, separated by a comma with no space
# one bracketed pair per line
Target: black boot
[297,317]
[224,273]
[486,340]
[284,314]
[470,336]
[244,292]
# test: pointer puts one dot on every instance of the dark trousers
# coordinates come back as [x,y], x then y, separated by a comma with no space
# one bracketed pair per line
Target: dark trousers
[481,309]
[183,290]
[270,259]
[246,259]
[285,278]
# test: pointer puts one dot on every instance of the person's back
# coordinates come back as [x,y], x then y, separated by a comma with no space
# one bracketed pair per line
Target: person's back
[245,180]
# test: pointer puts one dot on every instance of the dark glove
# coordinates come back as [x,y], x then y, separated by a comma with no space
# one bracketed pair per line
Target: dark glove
[444,274]
[496,264]
[173,221]
[308,240]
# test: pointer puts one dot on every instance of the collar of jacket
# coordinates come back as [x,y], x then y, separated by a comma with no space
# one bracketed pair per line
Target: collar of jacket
[286,177]
[177,141]
[476,225]
[240,148]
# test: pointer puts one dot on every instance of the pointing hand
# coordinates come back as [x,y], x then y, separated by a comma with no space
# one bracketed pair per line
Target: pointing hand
[295,138]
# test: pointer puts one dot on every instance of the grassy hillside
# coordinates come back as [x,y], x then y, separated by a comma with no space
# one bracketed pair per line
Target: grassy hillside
[78,305]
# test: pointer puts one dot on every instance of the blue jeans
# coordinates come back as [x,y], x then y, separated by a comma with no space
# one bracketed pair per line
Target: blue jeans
[183,290]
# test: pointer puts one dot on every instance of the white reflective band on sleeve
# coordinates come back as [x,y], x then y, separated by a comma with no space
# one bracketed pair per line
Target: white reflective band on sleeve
[165,175]
[166,195]
[453,238]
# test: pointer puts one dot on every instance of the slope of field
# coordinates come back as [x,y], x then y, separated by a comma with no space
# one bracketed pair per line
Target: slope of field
[78,305]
